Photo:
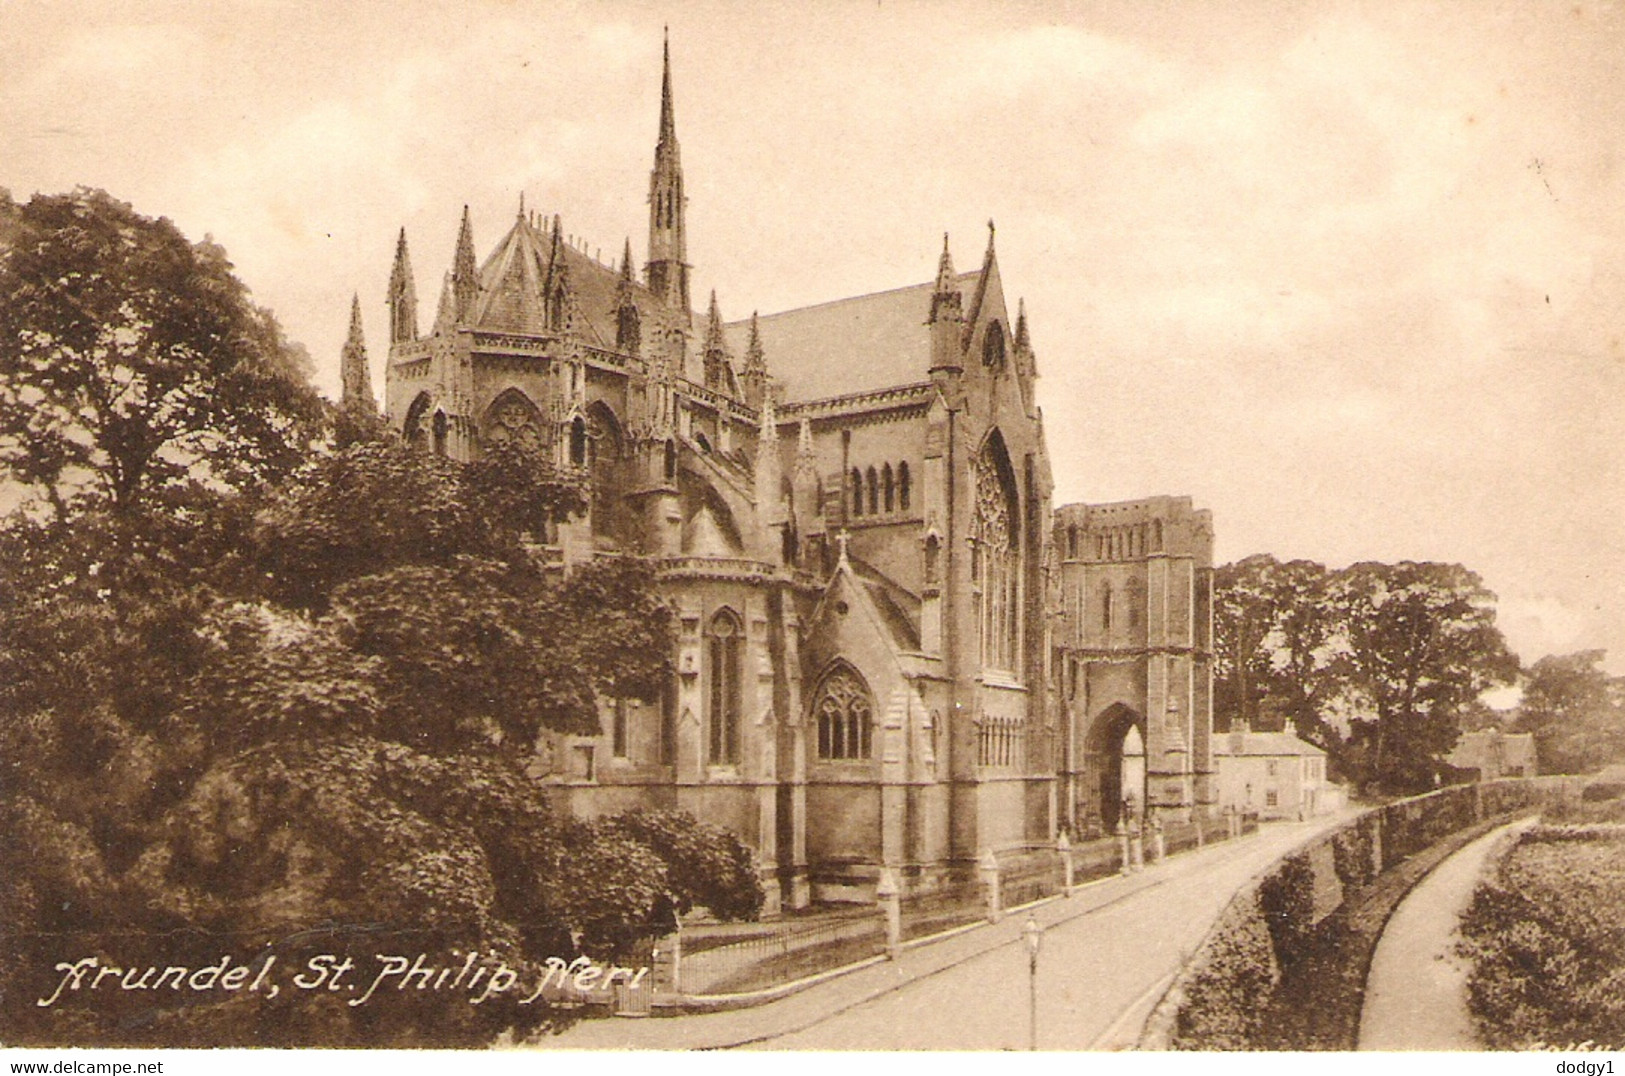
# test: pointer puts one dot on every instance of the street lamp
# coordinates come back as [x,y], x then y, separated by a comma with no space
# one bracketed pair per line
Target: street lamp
[1033,936]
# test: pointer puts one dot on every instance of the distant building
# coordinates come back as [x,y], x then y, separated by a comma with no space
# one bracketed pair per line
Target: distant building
[1273,773]
[1491,754]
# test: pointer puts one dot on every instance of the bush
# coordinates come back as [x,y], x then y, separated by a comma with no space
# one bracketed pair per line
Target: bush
[1547,942]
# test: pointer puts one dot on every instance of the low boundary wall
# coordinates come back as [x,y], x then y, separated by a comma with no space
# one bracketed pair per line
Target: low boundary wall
[1284,966]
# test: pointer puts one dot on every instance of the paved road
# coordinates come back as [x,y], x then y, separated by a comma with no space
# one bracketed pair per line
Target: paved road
[1416,991]
[1108,953]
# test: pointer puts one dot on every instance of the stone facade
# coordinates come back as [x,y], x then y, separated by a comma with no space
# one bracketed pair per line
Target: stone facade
[849,507]
[1133,638]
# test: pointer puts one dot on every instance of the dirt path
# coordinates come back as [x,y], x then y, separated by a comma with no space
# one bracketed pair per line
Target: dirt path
[1416,991]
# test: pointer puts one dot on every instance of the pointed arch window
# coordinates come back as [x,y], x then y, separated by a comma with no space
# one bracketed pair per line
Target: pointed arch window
[1106,608]
[671,461]
[902,486]
[513,418]
[857,492]
[874,492]
[887,489]
[993,347]
[1072,541]
[724,666]
[414,429]
[844,713]
[996,556]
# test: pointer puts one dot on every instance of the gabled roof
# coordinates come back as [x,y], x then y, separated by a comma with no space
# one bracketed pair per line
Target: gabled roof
[847,346]
[514,278]
[1263,743]
[511,283]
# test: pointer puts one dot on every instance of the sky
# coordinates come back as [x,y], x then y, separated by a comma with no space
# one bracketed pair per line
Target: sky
[1352,276]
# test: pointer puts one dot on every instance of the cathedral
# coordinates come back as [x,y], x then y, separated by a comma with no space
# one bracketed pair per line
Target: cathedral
[893,651]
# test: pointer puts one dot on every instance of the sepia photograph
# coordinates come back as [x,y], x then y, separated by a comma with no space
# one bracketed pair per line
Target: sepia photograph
[1082,527]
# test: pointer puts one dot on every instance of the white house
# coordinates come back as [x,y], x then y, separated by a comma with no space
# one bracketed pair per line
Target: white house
[1274,774]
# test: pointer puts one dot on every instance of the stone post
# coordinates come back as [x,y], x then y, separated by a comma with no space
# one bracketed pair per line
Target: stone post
[1122,847]
[1063,848]
[1159,845]
[889,897]
[1136,836]
[988,866]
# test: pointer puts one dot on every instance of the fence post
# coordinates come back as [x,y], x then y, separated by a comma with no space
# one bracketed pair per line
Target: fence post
[1159,845]
[890,899]
[1063,848]
[1136,837]
[1122,847]
[677,958]
[988,865]
[1232,821]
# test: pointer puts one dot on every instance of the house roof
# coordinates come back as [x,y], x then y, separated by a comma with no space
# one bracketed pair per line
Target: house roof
[1473,749]
[1263,743]
[848,346]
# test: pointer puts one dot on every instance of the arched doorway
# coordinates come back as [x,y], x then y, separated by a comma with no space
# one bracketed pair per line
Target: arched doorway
[1115,764]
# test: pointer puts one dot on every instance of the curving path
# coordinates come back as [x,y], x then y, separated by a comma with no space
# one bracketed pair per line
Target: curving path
[1416,991]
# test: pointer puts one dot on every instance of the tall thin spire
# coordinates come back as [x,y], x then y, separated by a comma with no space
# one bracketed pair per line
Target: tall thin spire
[465,283]
[668,234]
[403,296]
[355,381]
[1023,343]
[668,119]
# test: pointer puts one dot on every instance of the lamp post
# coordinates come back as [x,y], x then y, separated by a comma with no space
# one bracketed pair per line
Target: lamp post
[1033,935]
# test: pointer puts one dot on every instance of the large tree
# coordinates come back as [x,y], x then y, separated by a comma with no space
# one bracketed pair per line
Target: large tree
[1276,662]
[1421,644]
[1576,712]
[132,361]
[297,716]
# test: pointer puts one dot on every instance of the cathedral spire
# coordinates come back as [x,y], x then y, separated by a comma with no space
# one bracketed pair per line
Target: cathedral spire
[403,296]
[668,120]
[718,368]
[753,378]
[668,235]
[1023,342]
[356,382]
[465,283]
[945,315]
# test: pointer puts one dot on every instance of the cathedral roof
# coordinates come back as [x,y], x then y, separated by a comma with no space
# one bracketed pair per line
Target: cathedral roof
[514,278]
[511,282]
[847,346]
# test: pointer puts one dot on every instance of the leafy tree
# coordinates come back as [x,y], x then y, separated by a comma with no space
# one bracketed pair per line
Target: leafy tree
[1576,712]
[132,362]
[1276,662]
[1421,644]
[297,717]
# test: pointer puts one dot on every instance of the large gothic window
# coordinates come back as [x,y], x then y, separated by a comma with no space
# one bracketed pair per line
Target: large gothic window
[512,418]
[724,666]
[844,714]
[902,486]
[998,556]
